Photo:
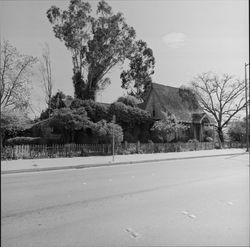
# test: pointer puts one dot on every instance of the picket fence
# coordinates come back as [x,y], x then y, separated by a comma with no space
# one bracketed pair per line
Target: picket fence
[76,150]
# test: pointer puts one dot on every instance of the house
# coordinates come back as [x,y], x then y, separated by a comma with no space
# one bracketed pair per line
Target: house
[180,103]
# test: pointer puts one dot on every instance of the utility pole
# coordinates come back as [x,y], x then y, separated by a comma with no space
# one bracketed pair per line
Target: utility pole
[113,138]
[247,116]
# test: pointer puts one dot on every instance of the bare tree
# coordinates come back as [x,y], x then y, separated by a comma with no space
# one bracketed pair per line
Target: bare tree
[222,97]
[15,77]
[46,75]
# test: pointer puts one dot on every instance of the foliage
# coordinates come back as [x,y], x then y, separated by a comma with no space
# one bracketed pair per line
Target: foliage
[12,123]
[129,115]
[45,114]
[22,140]
[67,121]
[135,122]
[129,100]
[222,97]
[237,131]
[104,131]
[97,42]
[138,77]
[96,111]
[58,101]
[15,74]
[167,127]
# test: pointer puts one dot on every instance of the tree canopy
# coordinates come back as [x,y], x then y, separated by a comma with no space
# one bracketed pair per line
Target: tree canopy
[15,76]
[138,77]
[13,122]
[221,97]
[97,42]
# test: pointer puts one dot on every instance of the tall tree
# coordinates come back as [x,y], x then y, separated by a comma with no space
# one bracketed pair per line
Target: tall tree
[222,97]
[97,42]
[138,77]
[46,75]
[15,76]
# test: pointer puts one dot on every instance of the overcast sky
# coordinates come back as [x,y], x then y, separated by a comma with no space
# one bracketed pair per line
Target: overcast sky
[188,37]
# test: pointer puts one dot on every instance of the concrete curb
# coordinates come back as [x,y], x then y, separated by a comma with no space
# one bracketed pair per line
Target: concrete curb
[111,164]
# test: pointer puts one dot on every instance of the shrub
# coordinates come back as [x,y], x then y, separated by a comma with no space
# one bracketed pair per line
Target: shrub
[129,115]
[237,131]
[129,100]
[66,121]
[164,130]
[104,132]
[135,122]
[95,111]
[12,124]
[44,114]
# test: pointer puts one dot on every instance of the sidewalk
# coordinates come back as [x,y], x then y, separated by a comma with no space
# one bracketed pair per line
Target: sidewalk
[32,165]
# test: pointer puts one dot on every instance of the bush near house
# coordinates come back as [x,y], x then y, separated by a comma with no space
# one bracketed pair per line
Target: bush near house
[105,131]
[165,130]
[95,111]
[135,122]
[237,131]
[12,124]
[75,126]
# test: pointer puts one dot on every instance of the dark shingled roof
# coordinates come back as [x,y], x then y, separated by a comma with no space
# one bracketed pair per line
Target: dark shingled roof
[179,102]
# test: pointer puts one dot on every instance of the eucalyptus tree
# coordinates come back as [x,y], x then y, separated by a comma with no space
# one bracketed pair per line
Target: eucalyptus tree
[97,41]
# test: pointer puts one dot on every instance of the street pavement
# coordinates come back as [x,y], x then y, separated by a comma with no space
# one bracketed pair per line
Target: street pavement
[187,202]
[31,165]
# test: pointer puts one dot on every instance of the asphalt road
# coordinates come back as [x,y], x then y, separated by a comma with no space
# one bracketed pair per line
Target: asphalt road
[195,202]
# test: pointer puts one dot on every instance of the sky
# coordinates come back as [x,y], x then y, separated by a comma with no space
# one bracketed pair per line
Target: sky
[188,37]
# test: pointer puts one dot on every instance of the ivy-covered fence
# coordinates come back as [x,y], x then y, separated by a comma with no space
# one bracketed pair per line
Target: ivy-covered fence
[78,150]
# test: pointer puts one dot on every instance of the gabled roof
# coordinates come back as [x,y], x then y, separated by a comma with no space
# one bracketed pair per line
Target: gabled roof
[179,102]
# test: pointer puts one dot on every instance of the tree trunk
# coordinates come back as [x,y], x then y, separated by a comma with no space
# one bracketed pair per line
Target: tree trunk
[82,91]
[88,94]
[221,136]
[220,133]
